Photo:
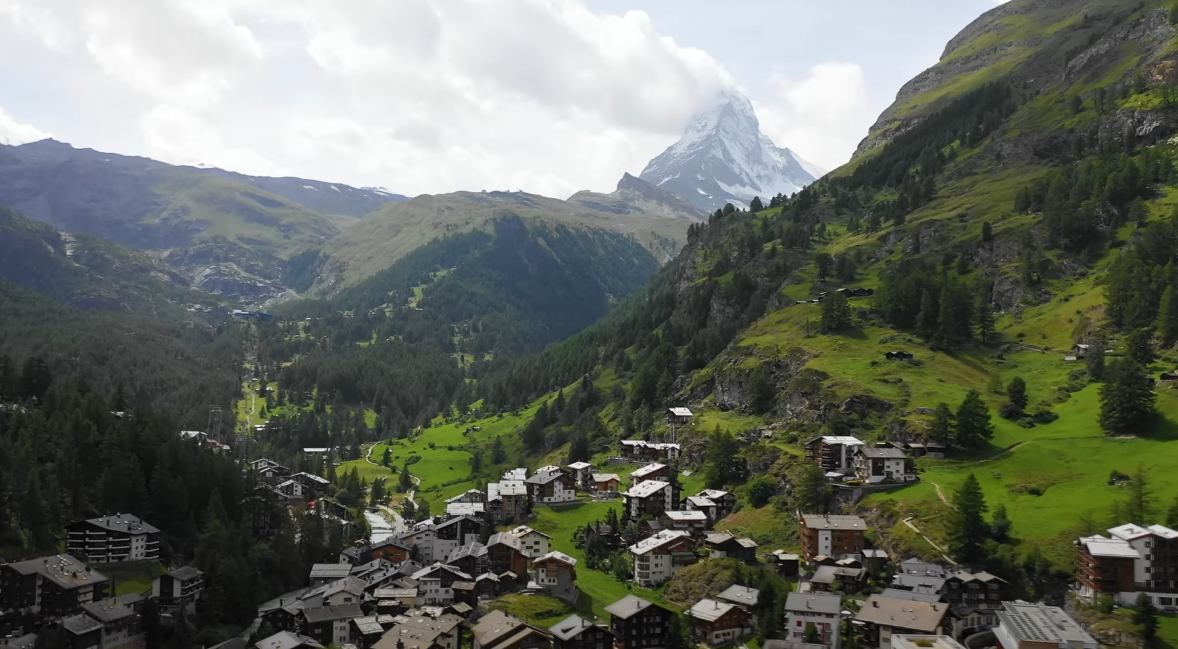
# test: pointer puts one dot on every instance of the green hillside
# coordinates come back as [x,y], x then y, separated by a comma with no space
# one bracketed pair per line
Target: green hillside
[1016,200]
[656,220]
[89,272]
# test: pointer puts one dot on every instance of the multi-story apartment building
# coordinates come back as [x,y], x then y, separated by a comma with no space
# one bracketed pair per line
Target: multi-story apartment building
[556,573]
[535,543]
[823,610]
[637,623]
[508,501]
[832,536]
[54,586]
[114,538]
[121,619]
[659,557]
[552,486]
[835,454]
[883,464]
[1131,560]
[179,588]
[649,498]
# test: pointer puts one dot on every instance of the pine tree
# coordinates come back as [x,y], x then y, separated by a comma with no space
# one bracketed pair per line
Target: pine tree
[966,525]
[1000,524]
[579,449]
[836,313]
[941,430]
[810,634]
[387,457]
[926,320]
[755,205]
[405,483]
[946,332]
[760,390]
[986,325]
[1142,502]
[1140,346]
[1167,324]
[822,262]
[1146,616]
[811,492]
[1094,359]
[974,428]
[1016,391]
[1126,398]
[676,634]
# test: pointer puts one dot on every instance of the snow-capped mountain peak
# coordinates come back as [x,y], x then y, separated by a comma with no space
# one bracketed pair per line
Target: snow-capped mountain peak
[723,157]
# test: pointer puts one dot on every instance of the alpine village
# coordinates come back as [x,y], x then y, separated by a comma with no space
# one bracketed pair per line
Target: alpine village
[928,400]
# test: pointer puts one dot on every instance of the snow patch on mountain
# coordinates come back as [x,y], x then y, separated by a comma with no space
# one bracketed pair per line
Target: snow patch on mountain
[723,157]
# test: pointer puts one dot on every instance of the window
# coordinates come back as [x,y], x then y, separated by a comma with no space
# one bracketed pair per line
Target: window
[1166,601]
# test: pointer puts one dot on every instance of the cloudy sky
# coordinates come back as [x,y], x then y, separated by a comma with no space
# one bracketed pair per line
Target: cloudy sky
[430,96]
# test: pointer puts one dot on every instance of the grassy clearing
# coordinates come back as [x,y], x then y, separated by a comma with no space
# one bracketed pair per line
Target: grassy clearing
[133,577]
[1057,473]
[544,612]
[771,529]
[598,589]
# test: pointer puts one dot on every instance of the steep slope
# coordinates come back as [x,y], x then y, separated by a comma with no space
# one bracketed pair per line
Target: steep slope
[657,221]
[723,157]
[325,197]
[1018,200]
[636,196]
[88,272]
[222,230]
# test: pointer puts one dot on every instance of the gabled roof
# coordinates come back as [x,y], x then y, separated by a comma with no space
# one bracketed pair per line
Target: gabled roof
[710,610]
[912,595]
[740,595]
[1099,546]
[654,467]
[718,538]
[713,494]
[505,538]
[628,607]
[319,614]
[440,567]
[680,412]
[686,515]
[701,501]
[813,603]
[313,478]
[330,570]
[287,640]
[464,494]
[646,489]
[570,627]
[656,541]
[882,453]
[606,477]
[368,625]
[544,477]
[902,613]
[524,530]
[108,610]
[577,466]
[558,556]
[1164,532]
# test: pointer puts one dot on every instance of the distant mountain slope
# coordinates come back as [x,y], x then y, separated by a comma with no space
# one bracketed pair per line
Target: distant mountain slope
[329,198]
[86,271]
[227,232]
[723,157]
[635,195]
[657,221]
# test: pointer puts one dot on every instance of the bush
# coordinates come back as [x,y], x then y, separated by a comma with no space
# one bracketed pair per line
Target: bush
[1010,411]
[1044,416]
[760,489]
[1116,477]
[1026,422]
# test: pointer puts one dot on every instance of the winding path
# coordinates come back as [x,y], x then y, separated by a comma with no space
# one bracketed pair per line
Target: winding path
[416,480]
[938,548]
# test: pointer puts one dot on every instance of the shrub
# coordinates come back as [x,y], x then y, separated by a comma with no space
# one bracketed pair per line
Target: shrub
[1010,411]
[1044,416]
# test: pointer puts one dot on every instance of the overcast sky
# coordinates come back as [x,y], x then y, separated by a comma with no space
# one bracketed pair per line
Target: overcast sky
[431,96]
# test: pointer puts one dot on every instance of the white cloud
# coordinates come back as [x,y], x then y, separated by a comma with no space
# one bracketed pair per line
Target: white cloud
[416,95]
[14,132]
[822,116]
[183,52]
[178,137]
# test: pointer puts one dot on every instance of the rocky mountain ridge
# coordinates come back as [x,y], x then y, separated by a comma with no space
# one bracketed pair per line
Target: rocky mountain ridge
[723,157]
